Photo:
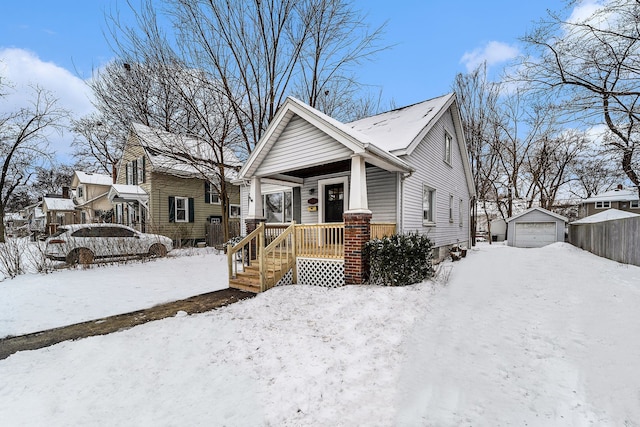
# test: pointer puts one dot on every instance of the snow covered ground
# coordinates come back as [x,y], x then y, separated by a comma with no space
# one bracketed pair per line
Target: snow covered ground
[35,302]
[535,337]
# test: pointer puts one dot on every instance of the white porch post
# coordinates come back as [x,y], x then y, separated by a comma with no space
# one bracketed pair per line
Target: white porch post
[358,189]
[255,199]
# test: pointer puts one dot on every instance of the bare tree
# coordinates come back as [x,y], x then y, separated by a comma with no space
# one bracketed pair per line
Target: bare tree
[591,66]
[23,143]
[478,100]
[550,163]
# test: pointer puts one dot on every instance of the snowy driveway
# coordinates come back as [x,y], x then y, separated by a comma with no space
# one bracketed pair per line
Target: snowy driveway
[546,336]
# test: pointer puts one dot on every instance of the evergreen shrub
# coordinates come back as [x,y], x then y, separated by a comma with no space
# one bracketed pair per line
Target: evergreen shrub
[400,259]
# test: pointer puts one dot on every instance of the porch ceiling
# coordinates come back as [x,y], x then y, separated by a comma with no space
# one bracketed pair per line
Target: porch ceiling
[340,166]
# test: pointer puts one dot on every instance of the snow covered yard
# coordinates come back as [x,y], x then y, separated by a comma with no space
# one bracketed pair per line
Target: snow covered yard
[533,337]
[35,302]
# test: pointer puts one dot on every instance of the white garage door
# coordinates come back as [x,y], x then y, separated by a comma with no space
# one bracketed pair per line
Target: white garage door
[535,234]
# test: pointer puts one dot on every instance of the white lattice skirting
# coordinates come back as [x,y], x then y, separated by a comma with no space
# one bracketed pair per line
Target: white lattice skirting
[287,279]
[320,272]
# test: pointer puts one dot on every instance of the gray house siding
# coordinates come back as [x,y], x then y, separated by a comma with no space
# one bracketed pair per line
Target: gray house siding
[428,160]
[298,137]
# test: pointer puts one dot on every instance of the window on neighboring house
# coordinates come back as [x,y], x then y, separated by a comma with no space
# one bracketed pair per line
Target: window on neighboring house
[634,204]
[129,170]
[460,212]
[83,217]
[447,147]
[428,205]
[181,209]
[135,170]
[80,191]
[140,170]
[603,205]
[211,195]
[450,207]
[278,207]
[234,211]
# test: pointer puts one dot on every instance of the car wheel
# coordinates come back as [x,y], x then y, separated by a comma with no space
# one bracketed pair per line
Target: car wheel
[157,250]
[80,256]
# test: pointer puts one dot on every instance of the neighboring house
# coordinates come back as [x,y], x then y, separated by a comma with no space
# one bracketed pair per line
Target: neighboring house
[620,198]
[35,218]
[407,167]
[534,228]
[58,211]
[91,191]
[157,193]
[15,224]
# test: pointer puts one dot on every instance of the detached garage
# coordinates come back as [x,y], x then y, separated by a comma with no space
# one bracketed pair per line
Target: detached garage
[534,228]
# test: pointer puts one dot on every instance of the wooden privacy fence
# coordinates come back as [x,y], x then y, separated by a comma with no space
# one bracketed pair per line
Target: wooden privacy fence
[618,240]
[215,234]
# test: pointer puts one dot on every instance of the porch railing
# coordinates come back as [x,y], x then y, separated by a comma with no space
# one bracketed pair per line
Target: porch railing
[382,229]
[320,240]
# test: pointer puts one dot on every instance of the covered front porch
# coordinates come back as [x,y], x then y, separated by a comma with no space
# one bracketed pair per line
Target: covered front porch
[327,185]
[311,254]
[131,205]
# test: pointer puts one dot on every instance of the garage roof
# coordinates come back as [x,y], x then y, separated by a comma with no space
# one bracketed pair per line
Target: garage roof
[553,214]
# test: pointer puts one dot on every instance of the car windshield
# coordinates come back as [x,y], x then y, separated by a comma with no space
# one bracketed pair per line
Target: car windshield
[59,232]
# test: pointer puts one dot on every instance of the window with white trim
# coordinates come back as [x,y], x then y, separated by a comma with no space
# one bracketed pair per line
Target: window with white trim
[278,206]
[634,204]
[234,211]
[448,139]
[603,205]
[211,194]
[428,205]
[80,191]
[182,209]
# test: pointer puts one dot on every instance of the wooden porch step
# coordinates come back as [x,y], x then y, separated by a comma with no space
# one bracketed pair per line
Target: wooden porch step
[249,279]
[245,285]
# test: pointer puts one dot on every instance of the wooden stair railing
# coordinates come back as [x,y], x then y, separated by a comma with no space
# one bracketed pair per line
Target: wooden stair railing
[278,258]
[248,250]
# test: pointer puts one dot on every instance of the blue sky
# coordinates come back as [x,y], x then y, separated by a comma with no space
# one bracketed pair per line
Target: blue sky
[57,43]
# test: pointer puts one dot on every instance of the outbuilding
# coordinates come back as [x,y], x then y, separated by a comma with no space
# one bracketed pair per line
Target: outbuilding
[534,228]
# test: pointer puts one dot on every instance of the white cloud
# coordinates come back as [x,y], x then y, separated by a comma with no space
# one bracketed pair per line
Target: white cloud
[584,10]
[22,69]
[493,53]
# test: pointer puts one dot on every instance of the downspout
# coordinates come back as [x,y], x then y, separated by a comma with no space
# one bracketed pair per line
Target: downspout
[400,215]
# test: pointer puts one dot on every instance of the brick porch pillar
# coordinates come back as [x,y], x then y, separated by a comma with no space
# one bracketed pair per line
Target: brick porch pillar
[356,233]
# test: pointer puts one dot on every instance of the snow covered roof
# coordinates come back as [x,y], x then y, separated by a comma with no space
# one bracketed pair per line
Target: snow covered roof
[608,215]
[157,143]
[91,178]
[381,139]
[58,204]
[617,195]
[125,192]
[539,209]
[397,129]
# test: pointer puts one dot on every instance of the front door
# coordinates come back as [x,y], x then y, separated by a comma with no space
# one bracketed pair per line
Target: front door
[333,202]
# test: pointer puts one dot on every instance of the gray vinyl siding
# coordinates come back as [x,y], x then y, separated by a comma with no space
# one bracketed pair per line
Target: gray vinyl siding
[301,137]
[382,194]
[447,179]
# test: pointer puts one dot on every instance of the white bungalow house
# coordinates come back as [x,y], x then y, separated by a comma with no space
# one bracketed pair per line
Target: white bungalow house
[405,170]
